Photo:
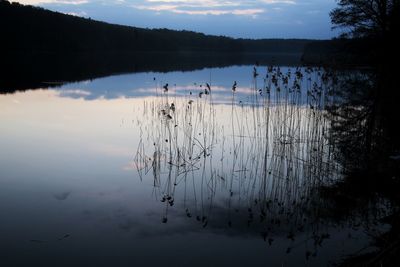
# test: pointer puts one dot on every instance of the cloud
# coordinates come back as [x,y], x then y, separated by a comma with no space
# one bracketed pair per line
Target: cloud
[235,18]
[216,12]
[157,8]
[270,2]
[64,2]
[197,3]
[206,7]
[251,8]
[78,14]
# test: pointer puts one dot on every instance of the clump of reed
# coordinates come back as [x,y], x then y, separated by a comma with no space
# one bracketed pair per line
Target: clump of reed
[264,153]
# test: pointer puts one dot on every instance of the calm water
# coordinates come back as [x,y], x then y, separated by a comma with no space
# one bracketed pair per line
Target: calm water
[106,172]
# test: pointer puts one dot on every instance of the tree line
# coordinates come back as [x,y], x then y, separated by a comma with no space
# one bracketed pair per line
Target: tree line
[29,28]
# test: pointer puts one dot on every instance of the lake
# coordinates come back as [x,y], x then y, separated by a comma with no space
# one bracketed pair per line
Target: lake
[208,167]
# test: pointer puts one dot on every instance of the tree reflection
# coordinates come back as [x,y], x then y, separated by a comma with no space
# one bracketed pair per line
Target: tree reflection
[367,137]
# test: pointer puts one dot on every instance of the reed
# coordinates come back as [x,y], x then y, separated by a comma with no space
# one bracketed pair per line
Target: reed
[263,153]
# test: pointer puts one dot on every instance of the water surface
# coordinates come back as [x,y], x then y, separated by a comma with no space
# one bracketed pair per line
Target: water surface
[106,172]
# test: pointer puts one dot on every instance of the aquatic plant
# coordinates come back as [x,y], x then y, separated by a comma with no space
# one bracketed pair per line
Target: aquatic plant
[254,160]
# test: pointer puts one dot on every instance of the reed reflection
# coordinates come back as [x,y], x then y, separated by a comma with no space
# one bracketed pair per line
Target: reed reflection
[255,162]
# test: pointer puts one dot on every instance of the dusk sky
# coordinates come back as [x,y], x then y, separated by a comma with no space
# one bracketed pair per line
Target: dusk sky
[242,18]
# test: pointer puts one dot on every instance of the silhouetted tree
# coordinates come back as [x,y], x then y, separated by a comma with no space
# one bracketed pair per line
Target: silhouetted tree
[366,17]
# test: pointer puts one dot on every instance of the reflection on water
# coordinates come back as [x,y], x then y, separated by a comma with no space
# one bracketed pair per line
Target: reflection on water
[50,70]
[265,154]
[211,167]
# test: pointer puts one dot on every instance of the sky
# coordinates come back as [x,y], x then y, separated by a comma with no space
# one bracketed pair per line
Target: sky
[240,19]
